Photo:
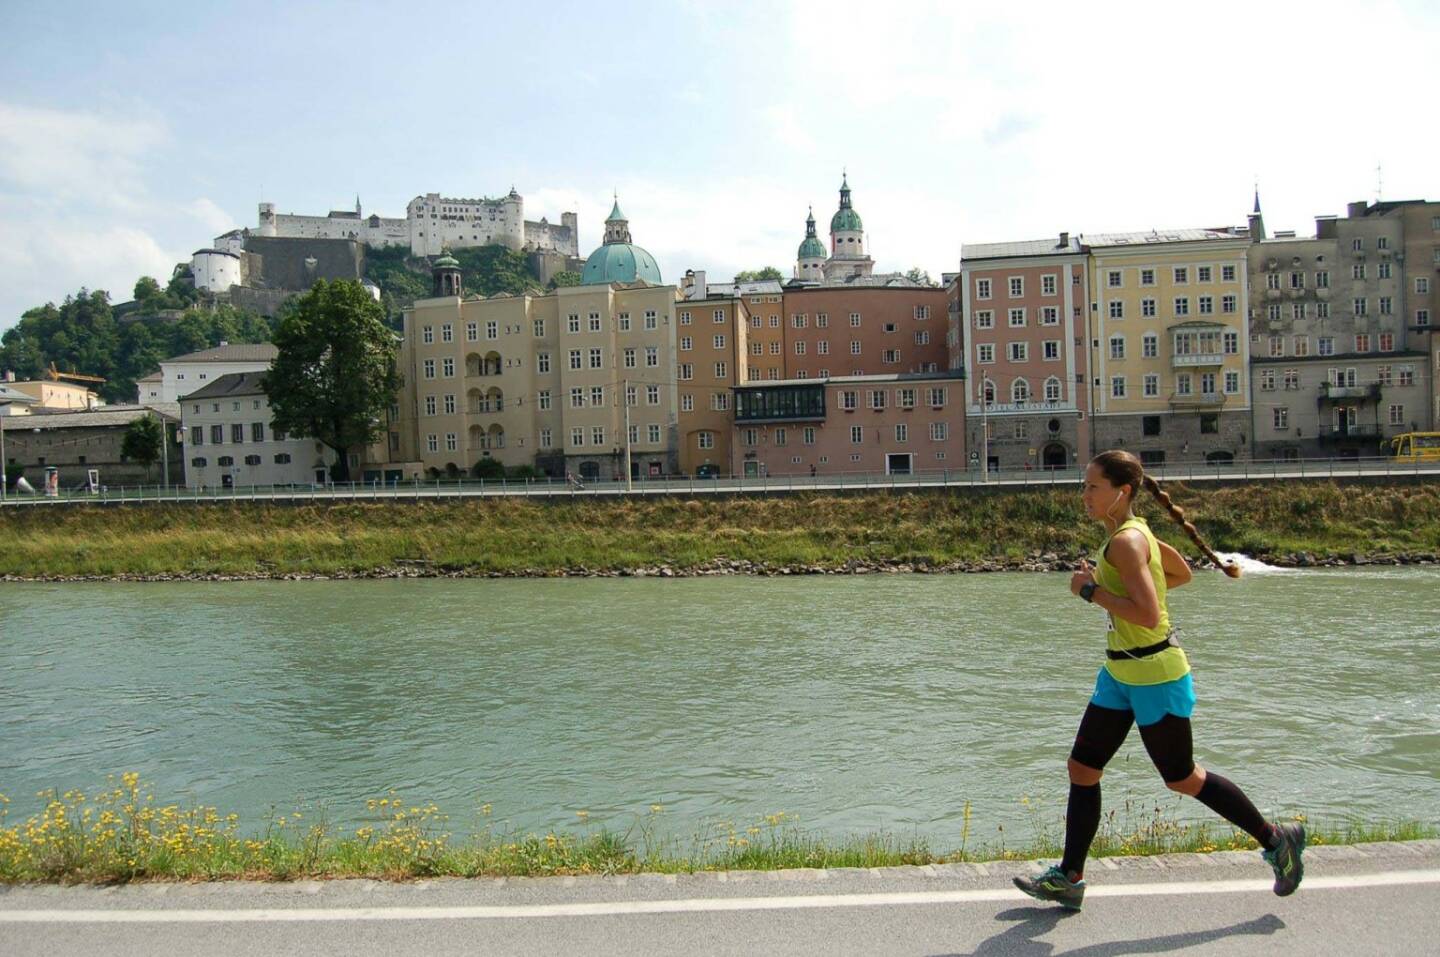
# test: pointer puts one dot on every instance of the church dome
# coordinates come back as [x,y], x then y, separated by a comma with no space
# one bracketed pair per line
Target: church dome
[811,248]
[620,262]
[845,218]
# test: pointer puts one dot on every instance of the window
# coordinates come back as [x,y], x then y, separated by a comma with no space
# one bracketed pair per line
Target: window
[1322,279]
[1422,317]
[1209,423]
[1052,389]
[687,403]
[1150,385]
[720,370]
[1182,306]
[1272,281]
[1397,415]
[1207,305]
[539,328]
[1047,285]
[1422,286]
[1184,384]
[1019,391]
[577,436]
[1022,429]
[597,435]
[890,356]
[1227,304]
[1052,350]
[1301,345]
[596,360]
[1382,243]
[685,319]
[427,335]
[1387,342]
[1019,351]
[1017,287]
[922,338]
[906,398]
[922,312]
[1150,345]
[224,461]
[542,362]
[1357,244]
[623,320]
[629,358]
[1147,277]
[1267,380]
[1406,375]
[1386,306]
[718,342]
[429,368]
[985,319]
[706,440]
[939,431]
[822,347]
[597,395]
[1272,312]
[1231,339]
[807,435]
[1202,274]
[1297,310]
[1147,308]
[652,360]
[1362,342]
[1357,271]
[686,372]
[577,397]
[594,319]
[1280,418]
[652,395]
[877,399]
[237,433]
[1117,387]
[854,320]
[1150,425]
[1359,306]
[774,322]
[1049,316]
[1277,346]
[1017,317]
[198,462]
[854,347]
[1322,310]
[545,438]
[1114,278]
[283,458]
[1117,347]
[1384,269]
[902,432]
[1181,274]
[849,400]
[197,435]
[575,359]
[822,321]
[251,460]
[1232,382]
[1227,273]
[432,442]
[857,434]
[544,400]
[935,396]
[573,322]
[472,331]
[452,442]
[1117,309]
[686,343]
[447,368]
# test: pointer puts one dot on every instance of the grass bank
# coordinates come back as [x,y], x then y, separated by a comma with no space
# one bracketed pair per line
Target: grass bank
[935,530]
[119,833]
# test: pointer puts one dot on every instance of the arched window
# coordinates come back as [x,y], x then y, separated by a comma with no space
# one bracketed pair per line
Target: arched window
[1052,389]
[1020,391]
[988,392]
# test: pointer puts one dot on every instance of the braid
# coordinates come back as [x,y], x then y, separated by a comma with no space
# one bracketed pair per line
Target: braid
[1178,514]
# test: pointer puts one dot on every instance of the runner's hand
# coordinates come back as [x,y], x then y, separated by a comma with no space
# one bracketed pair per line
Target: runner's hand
[1084,576]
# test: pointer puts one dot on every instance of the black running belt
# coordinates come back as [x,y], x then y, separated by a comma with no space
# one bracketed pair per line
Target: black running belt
[1170,642]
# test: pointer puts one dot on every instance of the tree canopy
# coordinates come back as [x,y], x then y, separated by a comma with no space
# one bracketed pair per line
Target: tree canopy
[916,274]
[142,441]
[334,377]
[759,275]
[565,277]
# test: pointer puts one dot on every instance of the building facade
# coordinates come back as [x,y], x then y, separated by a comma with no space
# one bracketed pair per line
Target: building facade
[432,224]
[182,375]
[230,441]
[79,441]
[1022,337]
[1169,347]
[712,352]
[832,331]
[892,424]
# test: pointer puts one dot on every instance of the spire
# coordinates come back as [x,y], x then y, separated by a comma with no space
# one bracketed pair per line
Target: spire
[617,227]
[844,190]
[810,223]
[357,204]
[1257,198]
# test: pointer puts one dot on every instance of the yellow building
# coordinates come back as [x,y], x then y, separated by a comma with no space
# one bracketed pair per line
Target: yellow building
[712,358]
[1169,349]
[548,380]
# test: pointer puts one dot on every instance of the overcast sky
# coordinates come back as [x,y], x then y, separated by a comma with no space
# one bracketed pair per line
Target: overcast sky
[132,134]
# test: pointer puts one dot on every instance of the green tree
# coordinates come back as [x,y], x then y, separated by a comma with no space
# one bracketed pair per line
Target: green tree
[335,376]
[565,277]
[759,275]
[142,441]
[916,274]
[147,290]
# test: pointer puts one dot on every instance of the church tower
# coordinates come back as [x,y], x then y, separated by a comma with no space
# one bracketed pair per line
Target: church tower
[810,258]
[847,240]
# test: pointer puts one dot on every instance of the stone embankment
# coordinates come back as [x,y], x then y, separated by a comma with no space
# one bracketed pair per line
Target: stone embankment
[1034,562]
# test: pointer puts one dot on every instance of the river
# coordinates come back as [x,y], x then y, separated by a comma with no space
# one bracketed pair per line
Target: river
[855,704]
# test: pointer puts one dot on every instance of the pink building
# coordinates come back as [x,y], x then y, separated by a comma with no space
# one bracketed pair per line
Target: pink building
[892,424]
[1022,330]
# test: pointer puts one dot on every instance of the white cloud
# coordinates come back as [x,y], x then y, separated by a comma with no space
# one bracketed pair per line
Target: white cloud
[210,215]
[59,156]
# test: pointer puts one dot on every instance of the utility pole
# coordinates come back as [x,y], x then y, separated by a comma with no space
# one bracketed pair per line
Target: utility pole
[625,398]
[164,451]
[4,479]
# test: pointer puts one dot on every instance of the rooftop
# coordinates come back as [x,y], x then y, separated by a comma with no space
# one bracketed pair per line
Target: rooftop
[231,384]
[860,379]
[240,352]
[110,415]
[1165,236]
[1024,248]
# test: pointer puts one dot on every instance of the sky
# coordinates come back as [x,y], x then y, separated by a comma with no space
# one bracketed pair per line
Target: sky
[133,134]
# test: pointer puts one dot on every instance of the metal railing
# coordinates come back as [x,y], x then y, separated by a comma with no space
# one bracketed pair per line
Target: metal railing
[460,488]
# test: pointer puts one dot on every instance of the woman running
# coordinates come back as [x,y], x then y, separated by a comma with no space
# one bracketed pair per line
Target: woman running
[1145,680]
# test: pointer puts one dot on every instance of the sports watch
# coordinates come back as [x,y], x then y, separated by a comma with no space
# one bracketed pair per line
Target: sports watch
[1087,591]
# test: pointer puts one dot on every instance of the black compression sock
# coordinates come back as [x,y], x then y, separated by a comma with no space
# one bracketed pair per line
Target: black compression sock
[1082,820]
[1225,799]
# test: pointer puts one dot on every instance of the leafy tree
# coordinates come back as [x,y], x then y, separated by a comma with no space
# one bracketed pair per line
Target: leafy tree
[488,469]
[916,274]
[142,441]
[759,275]
[335,376]
[565,277]
[147,290]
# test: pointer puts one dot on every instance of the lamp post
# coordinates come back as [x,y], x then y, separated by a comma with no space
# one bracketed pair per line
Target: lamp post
[4,479]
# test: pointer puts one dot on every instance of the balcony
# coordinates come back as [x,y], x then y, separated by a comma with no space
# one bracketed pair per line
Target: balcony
[1193,359]
[1197,400]
[1348,433]
[1334,393]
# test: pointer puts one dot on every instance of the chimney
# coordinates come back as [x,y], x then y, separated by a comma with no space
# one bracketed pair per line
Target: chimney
[1355,210]
[1064,241]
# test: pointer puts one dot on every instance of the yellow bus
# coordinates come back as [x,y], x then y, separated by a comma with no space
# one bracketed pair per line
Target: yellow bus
[1415,447]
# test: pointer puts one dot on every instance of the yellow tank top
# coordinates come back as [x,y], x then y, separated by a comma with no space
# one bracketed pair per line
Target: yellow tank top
[1122,635]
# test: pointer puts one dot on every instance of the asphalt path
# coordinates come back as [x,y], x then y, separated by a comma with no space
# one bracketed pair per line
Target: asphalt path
[1368,899]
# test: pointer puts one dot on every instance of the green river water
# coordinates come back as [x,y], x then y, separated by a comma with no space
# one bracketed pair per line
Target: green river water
[857,704]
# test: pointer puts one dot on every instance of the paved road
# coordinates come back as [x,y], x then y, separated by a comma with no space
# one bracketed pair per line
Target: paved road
[1372,899]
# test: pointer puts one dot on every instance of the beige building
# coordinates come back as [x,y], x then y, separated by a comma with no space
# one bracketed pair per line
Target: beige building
[712,323]
[59,396]
[548,380]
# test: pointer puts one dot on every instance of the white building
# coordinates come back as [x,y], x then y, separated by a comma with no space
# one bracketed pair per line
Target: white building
[183,375]
[432,223]
[215,270]
[230,441]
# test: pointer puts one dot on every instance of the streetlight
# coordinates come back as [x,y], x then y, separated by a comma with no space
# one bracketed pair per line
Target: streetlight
[4,480]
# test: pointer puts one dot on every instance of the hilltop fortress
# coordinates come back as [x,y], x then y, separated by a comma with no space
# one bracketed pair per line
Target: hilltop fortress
[433,223]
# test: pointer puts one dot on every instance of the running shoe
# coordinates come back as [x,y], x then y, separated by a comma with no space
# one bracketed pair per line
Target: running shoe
[1053,885]
[1285,858]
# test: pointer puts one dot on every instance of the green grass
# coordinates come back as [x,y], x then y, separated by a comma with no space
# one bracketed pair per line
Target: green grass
[514,536]
[119,833]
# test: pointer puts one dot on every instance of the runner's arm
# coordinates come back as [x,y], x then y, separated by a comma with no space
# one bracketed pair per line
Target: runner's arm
[1177,570]
[1131,558]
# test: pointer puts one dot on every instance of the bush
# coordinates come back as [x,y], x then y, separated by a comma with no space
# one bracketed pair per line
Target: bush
[488,468]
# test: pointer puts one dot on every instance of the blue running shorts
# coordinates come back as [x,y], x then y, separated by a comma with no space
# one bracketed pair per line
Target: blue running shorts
[1150,703]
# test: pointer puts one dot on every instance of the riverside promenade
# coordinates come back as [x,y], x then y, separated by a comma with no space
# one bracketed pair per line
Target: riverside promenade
[453,488]
[1356,900]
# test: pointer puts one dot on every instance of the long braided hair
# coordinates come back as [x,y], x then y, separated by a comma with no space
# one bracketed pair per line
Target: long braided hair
[1123,468]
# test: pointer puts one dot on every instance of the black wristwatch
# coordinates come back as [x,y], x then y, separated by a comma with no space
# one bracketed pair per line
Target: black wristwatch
[1087,591]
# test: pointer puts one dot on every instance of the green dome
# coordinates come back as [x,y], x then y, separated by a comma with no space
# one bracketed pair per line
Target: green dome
[811,248]
[845,219]
[447,261]
[620,262]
